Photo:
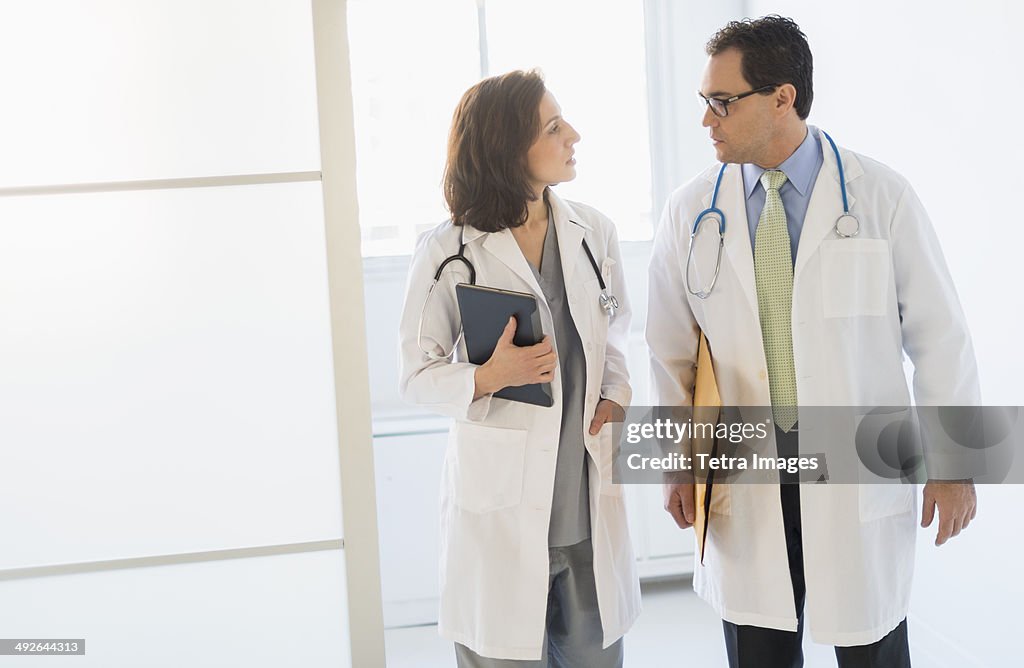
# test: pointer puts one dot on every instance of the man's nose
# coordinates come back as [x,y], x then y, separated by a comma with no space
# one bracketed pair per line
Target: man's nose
[709,119]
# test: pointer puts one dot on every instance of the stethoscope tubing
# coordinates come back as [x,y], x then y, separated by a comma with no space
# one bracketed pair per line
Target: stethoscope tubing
[713,210]
[607,301]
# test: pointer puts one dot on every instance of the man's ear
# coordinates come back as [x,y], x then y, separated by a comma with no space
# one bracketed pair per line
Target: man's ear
[785,97]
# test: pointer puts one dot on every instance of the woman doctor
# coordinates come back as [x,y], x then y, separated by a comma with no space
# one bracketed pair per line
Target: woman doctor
[536,562]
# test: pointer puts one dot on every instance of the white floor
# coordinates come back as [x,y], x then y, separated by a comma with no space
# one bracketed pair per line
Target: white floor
[675,630]
[964,611]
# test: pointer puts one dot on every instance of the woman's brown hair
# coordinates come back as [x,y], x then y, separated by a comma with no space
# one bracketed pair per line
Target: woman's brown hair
[486,181]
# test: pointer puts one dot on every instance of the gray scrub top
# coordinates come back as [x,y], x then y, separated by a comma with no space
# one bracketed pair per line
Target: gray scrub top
[570,506]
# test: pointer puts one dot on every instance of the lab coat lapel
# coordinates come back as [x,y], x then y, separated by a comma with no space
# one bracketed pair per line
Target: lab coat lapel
[737,235]
[570,229]
[826,204]
[505,248]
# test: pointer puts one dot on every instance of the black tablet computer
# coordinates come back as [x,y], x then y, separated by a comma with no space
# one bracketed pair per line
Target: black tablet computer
[485,312]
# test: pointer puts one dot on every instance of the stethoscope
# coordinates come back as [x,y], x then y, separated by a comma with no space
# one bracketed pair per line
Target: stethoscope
[846,226]
[606,299]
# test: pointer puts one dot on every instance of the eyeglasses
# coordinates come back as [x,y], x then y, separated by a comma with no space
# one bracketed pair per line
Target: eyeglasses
[721,107]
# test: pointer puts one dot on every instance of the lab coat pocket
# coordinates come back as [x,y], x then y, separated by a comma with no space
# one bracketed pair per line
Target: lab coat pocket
[606,459]
[854,277]
[878,500]
[488,467]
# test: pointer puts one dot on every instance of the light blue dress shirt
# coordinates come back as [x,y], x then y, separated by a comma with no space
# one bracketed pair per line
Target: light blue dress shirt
[801,170]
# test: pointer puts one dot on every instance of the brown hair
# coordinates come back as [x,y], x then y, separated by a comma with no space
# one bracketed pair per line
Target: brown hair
[486,181]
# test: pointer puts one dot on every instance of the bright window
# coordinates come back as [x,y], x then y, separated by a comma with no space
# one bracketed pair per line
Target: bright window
[404,99]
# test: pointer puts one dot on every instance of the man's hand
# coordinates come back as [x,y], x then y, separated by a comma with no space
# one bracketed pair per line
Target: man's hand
[679,503]
[957,503]
[606,411]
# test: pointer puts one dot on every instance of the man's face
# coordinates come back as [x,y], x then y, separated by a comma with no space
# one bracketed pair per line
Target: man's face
[743,135]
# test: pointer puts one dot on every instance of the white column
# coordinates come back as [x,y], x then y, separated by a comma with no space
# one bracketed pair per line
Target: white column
[348,327]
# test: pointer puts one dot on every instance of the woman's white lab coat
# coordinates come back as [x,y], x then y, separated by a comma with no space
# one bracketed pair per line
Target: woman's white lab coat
[499,468]
[858,304]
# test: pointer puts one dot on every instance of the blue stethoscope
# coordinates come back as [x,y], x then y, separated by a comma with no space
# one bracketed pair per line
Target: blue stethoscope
[846,226]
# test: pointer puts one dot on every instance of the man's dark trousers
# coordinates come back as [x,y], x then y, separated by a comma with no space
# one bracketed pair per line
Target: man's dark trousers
[756,647]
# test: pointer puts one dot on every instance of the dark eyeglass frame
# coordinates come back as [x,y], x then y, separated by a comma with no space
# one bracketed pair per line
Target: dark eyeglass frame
[710,101]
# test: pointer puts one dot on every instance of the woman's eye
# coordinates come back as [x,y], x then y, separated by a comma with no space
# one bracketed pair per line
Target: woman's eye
[554,129]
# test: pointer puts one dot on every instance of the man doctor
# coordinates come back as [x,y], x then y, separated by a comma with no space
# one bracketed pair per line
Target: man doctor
[802,315]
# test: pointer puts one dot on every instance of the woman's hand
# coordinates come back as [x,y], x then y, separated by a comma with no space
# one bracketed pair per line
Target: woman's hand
[511,365]
[606,411]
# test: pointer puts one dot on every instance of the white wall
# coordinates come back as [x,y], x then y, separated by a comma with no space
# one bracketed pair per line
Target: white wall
[932,89]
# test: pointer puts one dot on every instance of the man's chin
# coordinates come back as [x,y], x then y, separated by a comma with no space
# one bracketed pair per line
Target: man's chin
[728,157]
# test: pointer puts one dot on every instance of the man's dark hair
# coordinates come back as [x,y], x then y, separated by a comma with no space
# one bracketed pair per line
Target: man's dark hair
[774,50]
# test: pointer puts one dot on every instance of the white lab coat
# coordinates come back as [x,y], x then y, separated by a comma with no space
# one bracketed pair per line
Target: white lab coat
[499,467]
[858,304]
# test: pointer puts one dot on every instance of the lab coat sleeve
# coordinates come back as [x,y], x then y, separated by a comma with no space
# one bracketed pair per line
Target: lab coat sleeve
[442,386]
[935,334]
[672,331]
[615,381]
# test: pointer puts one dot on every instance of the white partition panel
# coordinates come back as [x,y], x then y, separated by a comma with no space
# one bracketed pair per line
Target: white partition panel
[111,90]
[263,612]
[165,373]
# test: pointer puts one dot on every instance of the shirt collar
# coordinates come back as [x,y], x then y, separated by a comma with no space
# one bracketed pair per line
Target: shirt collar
[799,167]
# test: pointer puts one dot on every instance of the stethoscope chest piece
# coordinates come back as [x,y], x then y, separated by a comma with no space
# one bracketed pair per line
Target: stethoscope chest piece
[847,226]
[609,303]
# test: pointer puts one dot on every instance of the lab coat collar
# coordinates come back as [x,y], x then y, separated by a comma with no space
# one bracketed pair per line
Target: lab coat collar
[569,228]
[470,234]
[798,167]
[561,209]
[825,206]
[851,165]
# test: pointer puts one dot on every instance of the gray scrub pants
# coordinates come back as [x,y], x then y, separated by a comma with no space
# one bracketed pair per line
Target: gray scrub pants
[573,635]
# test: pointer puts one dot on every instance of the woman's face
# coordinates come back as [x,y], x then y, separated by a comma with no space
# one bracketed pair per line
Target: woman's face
[549,160]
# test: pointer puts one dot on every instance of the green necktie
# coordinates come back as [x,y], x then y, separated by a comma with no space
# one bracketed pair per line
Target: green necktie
[773,273]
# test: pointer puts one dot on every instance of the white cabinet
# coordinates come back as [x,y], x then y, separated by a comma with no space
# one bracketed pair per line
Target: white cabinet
[408,476]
